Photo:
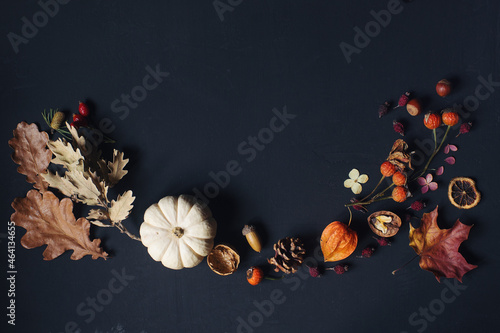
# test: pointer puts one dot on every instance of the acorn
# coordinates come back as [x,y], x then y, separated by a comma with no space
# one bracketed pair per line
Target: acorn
[252,237]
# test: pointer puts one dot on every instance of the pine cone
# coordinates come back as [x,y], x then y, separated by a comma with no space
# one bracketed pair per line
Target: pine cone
[288,255]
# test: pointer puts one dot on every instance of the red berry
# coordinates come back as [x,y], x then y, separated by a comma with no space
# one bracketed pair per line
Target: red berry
[78,117]
[432,121]
[83,109]
[80,123]
[443,87]
[387,169]
[398,127]
[450,117]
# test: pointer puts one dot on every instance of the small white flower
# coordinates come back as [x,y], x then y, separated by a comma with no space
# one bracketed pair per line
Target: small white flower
[355,180]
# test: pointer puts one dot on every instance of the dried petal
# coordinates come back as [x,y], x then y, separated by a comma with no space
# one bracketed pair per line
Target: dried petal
[421,181]
[362,179]
[440,171]
[433,186]
[356,188]
[348,183]
[450,160]
[428,178]
[424,189]
[354,174]
[450,147]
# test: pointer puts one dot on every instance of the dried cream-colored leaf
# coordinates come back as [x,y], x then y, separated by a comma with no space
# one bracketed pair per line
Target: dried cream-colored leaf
[30,153]
[121,208]
[75,185]
[61,183]
[51,222]
[100,224]
[66,155]
[78,140]
[98,214]
[117,168]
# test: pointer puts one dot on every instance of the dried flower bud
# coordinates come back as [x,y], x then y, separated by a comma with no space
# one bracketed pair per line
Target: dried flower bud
[360,208]
[382,241]
[314,272]
[398,127]
[464,128]
[417,206]
[367,252]
[383,109]
[341,269]
[403,100]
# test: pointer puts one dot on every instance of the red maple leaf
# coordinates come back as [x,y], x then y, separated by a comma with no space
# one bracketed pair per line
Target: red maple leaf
[438,248]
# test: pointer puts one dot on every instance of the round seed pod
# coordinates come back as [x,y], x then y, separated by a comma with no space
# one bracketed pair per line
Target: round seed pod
[384,223]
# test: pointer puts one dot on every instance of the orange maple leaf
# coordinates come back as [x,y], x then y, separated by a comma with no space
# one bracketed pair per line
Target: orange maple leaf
[438,248]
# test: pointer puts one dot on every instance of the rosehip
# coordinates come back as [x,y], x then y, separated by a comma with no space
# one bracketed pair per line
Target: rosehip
[399,178]
[450,117]
[387,169]
[255,275]
[399,194]
[443,87]
[78,117]
[432,121]
[83,109]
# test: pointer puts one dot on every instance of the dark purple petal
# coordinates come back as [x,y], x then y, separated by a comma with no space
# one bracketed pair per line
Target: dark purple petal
[433,186]
[421,181]
[440,171]
[425,188]
[450,160]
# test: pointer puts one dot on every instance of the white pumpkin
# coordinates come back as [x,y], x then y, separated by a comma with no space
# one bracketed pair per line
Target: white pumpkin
[178,231]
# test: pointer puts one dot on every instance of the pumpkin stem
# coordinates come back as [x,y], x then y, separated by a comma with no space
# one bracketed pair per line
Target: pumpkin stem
[178,232]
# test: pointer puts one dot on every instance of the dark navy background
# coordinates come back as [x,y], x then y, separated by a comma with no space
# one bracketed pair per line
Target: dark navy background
[224,79]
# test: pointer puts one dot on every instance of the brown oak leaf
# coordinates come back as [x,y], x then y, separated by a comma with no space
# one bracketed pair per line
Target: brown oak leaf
[31,153]
[51,222]
[438,248]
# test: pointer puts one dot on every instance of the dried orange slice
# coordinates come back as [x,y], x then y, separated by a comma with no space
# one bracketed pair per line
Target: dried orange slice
[462,193]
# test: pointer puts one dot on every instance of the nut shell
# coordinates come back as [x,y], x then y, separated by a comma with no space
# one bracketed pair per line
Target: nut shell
[392,227]
[223,259]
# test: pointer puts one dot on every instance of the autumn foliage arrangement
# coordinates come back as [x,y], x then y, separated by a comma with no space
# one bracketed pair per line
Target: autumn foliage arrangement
[73,165]
[85,179]
[437,248]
